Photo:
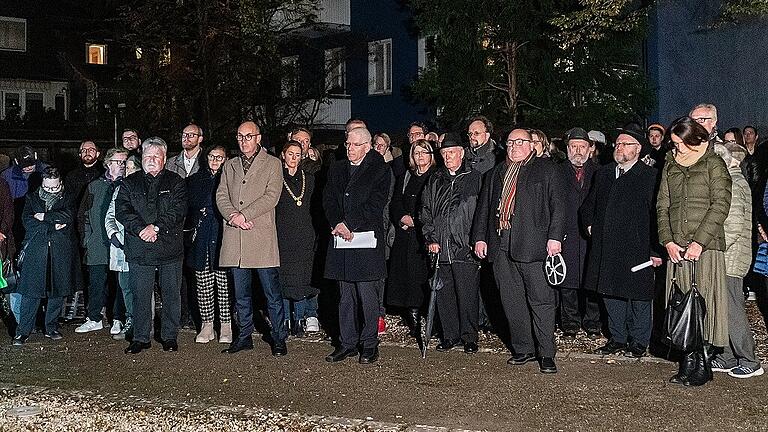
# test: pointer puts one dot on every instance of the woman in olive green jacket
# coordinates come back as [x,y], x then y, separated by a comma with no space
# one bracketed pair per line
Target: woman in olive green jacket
[692,205]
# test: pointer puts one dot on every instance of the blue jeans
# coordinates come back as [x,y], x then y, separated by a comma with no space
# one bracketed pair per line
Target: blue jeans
[15,300]
[304,308]
[270,283]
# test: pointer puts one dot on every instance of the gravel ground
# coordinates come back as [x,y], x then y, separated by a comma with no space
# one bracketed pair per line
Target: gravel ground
[86,383]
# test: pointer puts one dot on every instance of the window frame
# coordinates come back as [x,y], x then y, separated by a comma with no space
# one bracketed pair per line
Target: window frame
[387,84]
[103,47]
[336,74]
[26,33]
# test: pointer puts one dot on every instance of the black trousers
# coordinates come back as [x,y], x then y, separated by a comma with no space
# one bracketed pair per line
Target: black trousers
[572,302]
[359,298]
[143,286]
[457,301]
[529,304]
[629,320]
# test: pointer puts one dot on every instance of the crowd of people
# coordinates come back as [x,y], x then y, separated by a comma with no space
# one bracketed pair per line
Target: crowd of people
[387,226]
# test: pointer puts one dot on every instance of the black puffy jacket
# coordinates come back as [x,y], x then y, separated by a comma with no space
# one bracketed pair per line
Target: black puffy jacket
[447,212]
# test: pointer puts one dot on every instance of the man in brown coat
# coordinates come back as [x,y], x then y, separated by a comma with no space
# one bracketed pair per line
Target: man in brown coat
[247,195]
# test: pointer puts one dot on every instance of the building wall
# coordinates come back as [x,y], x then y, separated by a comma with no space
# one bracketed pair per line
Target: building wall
[690,63]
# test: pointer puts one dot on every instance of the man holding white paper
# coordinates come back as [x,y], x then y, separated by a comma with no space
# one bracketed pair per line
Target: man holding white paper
[354,199]
[620,214]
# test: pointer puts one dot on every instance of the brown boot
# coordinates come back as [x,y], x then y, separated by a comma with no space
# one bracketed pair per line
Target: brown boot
[206,333]
[225,335]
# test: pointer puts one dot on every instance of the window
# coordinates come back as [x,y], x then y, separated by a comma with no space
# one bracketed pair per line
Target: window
[289,85]
[12,105]
[138,52]
[13,34]
[59,105]
[33,105]
[380,67]
[96,54]
[335,71]
[165,56]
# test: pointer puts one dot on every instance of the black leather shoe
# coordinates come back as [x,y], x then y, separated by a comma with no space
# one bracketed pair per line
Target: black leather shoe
[170,345]
[569,334]
[635,351]
[611,348]
[448,344]
[521,359]
[279,349]
[369,356]
[594,334]
[470,347]
[137,347]
[239,345]
[547,365]
[340,354]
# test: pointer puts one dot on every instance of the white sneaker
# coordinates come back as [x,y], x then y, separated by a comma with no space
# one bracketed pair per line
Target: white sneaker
[746,372]
[117,326]
[313,325]
[751,296]
[89,326]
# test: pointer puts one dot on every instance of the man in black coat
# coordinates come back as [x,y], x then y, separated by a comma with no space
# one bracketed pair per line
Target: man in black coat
[577,173]
[152,204]
[619,212]
[90,169]
[448,208]
[354,199]
[519,222]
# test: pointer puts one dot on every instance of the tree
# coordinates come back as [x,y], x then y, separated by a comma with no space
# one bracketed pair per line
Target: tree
[214,62]
[552,64]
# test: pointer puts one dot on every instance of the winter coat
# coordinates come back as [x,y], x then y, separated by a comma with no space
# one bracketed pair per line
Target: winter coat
[693,202]
[158,200]
[538,216]
[77,182]
[621,213]
[91,214]
[20,183]
[176,164]
[255,195]
[7,246]
[117,261]
[203,222]
[448,206]
[575,244]
[409,259]
[483,158]
[296,236]
[738,227]
[358,200]
[46,248]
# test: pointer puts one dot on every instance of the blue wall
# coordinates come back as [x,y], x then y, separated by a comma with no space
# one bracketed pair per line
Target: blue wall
[689,63]
[376,20]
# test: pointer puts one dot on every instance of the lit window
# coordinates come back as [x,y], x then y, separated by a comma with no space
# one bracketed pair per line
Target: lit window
[13,34]
[96,54]
[138,53]
[165,56]
[380,67]
[335,71]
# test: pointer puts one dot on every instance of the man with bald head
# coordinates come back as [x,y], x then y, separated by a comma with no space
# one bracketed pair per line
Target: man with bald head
[187,162]
[250,187]
[520,221]
[354,199]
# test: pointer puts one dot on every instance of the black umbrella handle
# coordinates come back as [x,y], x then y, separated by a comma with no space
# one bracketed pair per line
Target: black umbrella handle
[435,260]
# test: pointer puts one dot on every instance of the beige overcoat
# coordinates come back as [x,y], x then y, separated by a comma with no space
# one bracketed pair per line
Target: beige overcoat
[255,195]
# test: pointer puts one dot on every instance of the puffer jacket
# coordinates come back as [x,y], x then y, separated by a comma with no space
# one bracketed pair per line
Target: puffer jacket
[738,227]
[447,212]
[693,202]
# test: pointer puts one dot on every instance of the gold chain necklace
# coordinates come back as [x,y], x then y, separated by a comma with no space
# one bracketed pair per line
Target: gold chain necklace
[303,188]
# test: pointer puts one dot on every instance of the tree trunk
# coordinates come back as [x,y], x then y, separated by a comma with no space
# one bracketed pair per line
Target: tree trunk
[510,56]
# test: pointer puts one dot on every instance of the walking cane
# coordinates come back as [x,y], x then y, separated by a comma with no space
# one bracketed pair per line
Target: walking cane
[435,285]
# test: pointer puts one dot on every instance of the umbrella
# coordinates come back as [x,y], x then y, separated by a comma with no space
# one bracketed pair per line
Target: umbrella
[435,285]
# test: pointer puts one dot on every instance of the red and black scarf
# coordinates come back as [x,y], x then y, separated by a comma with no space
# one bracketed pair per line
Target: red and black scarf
[508,191]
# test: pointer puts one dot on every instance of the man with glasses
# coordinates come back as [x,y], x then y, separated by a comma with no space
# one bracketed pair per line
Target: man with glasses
[620,213]
[187,162]
[93,211]
[354,200]
[520,221]
[89,170]
[706,115]
[482,154]
[249,190]
[132,142]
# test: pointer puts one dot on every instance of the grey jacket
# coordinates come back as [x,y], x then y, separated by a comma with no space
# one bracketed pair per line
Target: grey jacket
[738,227]
[176,164]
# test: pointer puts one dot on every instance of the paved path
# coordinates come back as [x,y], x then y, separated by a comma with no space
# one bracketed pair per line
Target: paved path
[452,390]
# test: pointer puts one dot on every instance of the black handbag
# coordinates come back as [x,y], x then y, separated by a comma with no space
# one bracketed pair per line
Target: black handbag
[684,318]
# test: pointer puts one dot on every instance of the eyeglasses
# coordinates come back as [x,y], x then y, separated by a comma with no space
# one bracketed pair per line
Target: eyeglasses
[247,137]
[117,161]
[701,120]
[626,143]
[349,144]
[421,152]
[475,133]
[415,134]
[519,142]
[130,138]
[216,158]
[52,188]
[88,150]
[189,135]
